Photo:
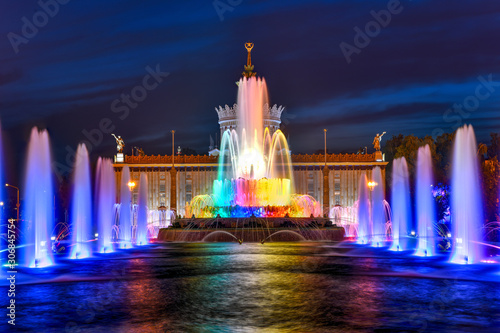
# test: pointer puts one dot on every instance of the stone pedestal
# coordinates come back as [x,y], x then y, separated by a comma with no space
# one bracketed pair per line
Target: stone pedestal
[119,158]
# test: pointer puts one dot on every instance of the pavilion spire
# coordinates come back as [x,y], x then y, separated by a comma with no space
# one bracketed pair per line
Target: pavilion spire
[248,73]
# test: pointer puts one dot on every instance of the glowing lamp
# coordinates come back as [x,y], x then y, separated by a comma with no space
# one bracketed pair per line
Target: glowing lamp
[372,185]
[131,185]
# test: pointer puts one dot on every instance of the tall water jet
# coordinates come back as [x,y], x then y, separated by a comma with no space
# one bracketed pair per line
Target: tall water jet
[252,97]
[38,195]
[125,228]
[401,207]
[365,227]
[466,203]
[105,205]
[426,209]
[378,208]
[141,231]
[81,210]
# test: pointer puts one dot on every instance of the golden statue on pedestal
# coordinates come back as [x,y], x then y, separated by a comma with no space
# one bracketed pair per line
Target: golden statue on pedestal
[119,143]
[376,141]
[248,73]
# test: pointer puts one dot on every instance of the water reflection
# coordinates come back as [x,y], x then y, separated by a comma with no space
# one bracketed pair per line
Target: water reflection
[253,287]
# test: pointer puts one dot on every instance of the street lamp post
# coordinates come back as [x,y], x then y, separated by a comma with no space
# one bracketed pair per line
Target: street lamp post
[324,130]
[371,186]
[18,204]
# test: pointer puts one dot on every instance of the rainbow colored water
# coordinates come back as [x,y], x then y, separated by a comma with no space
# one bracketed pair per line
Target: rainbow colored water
[255,175]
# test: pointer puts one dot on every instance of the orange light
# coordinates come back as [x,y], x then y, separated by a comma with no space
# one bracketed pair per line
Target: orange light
[131,185]
[371,185]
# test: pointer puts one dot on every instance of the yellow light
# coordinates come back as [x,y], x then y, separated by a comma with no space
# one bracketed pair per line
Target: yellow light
[251,160]
[131,185]
[371,185]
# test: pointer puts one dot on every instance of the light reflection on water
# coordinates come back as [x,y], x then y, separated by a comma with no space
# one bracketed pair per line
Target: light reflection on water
[254,287]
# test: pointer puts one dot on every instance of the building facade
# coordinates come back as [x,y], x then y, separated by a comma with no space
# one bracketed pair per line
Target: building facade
[171,187]
[174,180]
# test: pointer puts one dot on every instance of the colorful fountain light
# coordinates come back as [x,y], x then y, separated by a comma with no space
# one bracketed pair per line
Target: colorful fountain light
[255,175]
[365,225]
[378,209]
[426,209]
[401,207]
[81,208]
[38,221]
[466,204]
[105,187]
[125,225]
[141,230]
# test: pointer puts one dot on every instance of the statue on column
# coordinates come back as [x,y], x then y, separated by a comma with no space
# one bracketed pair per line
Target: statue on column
[376,141]
[119,143]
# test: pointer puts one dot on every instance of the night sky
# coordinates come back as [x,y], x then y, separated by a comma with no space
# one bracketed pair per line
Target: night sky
[405,79]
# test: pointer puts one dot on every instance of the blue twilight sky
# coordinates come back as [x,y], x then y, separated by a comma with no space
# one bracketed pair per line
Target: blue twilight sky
[66,76]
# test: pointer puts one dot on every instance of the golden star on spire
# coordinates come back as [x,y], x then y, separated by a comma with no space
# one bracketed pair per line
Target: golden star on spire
[248,73]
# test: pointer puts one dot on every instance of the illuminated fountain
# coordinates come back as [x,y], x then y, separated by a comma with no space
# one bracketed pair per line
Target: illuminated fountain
[365,226]
[425,203]
[125,225]
[38,216]
[401,217]
[141,228]
[81,210]
[255,176]
[347,218]
[379,219]
[105,199]
[466,203]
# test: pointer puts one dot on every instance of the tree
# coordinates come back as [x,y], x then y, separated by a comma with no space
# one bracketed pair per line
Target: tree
[391,146]
[389,150]
[444,149]
[490,173]
[494,147]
